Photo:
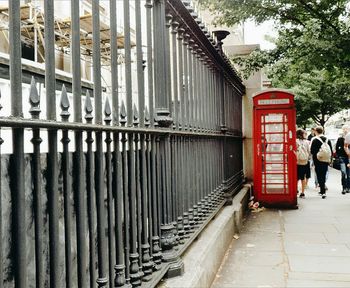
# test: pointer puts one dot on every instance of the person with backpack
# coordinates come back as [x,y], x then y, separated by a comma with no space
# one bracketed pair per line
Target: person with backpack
[308,170]
[321,150]
[343,160]
[303,155]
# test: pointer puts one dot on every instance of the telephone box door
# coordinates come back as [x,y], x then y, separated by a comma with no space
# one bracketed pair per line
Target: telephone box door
[275,164]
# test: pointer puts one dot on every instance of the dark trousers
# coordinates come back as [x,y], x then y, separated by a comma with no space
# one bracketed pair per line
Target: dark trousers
[308,170]
[345,172]
[321,169]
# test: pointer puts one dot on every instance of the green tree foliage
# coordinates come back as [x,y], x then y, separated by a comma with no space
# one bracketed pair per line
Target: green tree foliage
[312,53]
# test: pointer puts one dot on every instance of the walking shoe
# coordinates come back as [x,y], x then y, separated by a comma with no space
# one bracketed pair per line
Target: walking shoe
[344,191]
[302,195]
[347,190]
[323,195]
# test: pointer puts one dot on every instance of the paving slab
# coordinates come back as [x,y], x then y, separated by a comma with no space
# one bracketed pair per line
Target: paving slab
[319,264]
[338,238]
[343,227]
[311,219]
[261,242]
[306,238]
[307,228]
[336,250]
[255,258]
[338,277]
[252,276]
[316,283]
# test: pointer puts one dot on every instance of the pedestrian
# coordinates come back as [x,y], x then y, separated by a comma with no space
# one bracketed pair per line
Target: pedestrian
[343,160]
[312,134]
[312,166]
[321,150]
[303,155]
[308,168]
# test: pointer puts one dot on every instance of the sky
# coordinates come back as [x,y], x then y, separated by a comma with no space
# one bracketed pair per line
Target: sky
[255,34]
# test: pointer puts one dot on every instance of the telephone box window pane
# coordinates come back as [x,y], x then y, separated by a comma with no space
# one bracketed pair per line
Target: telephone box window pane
[275,168]
[275,148]
[275,138]
[276,189]
[270,128]
[274,158]
[274,118]
[274,178]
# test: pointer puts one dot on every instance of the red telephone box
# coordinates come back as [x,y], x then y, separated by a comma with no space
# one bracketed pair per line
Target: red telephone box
[275,173]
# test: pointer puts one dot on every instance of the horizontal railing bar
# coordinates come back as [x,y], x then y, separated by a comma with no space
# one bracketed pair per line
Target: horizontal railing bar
[14,122]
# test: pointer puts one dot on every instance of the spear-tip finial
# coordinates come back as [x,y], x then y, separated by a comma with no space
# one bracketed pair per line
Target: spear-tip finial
[108,112]
[122,114]
[64,104]
[88,108]
[34,99]
[147,117]
[136,116]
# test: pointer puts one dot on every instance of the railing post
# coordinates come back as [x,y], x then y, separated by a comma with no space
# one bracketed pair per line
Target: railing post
[162,116]
[163,119]
[102,280]
[52,161]
[191,81]
[37,185]
[150,60]
[167,64]
[119,268]
[133,160]
[181,98]
[66,188]
[152,143]
[91,201]
[17,195]
[220,35]
[80,205]
[109,184]
[126,204]
[175,90]
[185,105]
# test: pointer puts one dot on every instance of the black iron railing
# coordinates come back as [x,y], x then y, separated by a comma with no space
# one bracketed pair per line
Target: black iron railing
[116,185]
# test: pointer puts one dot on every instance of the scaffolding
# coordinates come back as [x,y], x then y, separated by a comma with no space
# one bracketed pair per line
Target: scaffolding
[32,33]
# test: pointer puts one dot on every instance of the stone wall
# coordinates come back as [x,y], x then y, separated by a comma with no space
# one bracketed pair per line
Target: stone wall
[6,213]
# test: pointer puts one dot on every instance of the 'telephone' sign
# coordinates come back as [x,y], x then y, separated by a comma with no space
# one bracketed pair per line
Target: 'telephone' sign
[273,101]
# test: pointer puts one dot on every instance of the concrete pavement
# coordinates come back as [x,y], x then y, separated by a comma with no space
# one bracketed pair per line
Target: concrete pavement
[308,247]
